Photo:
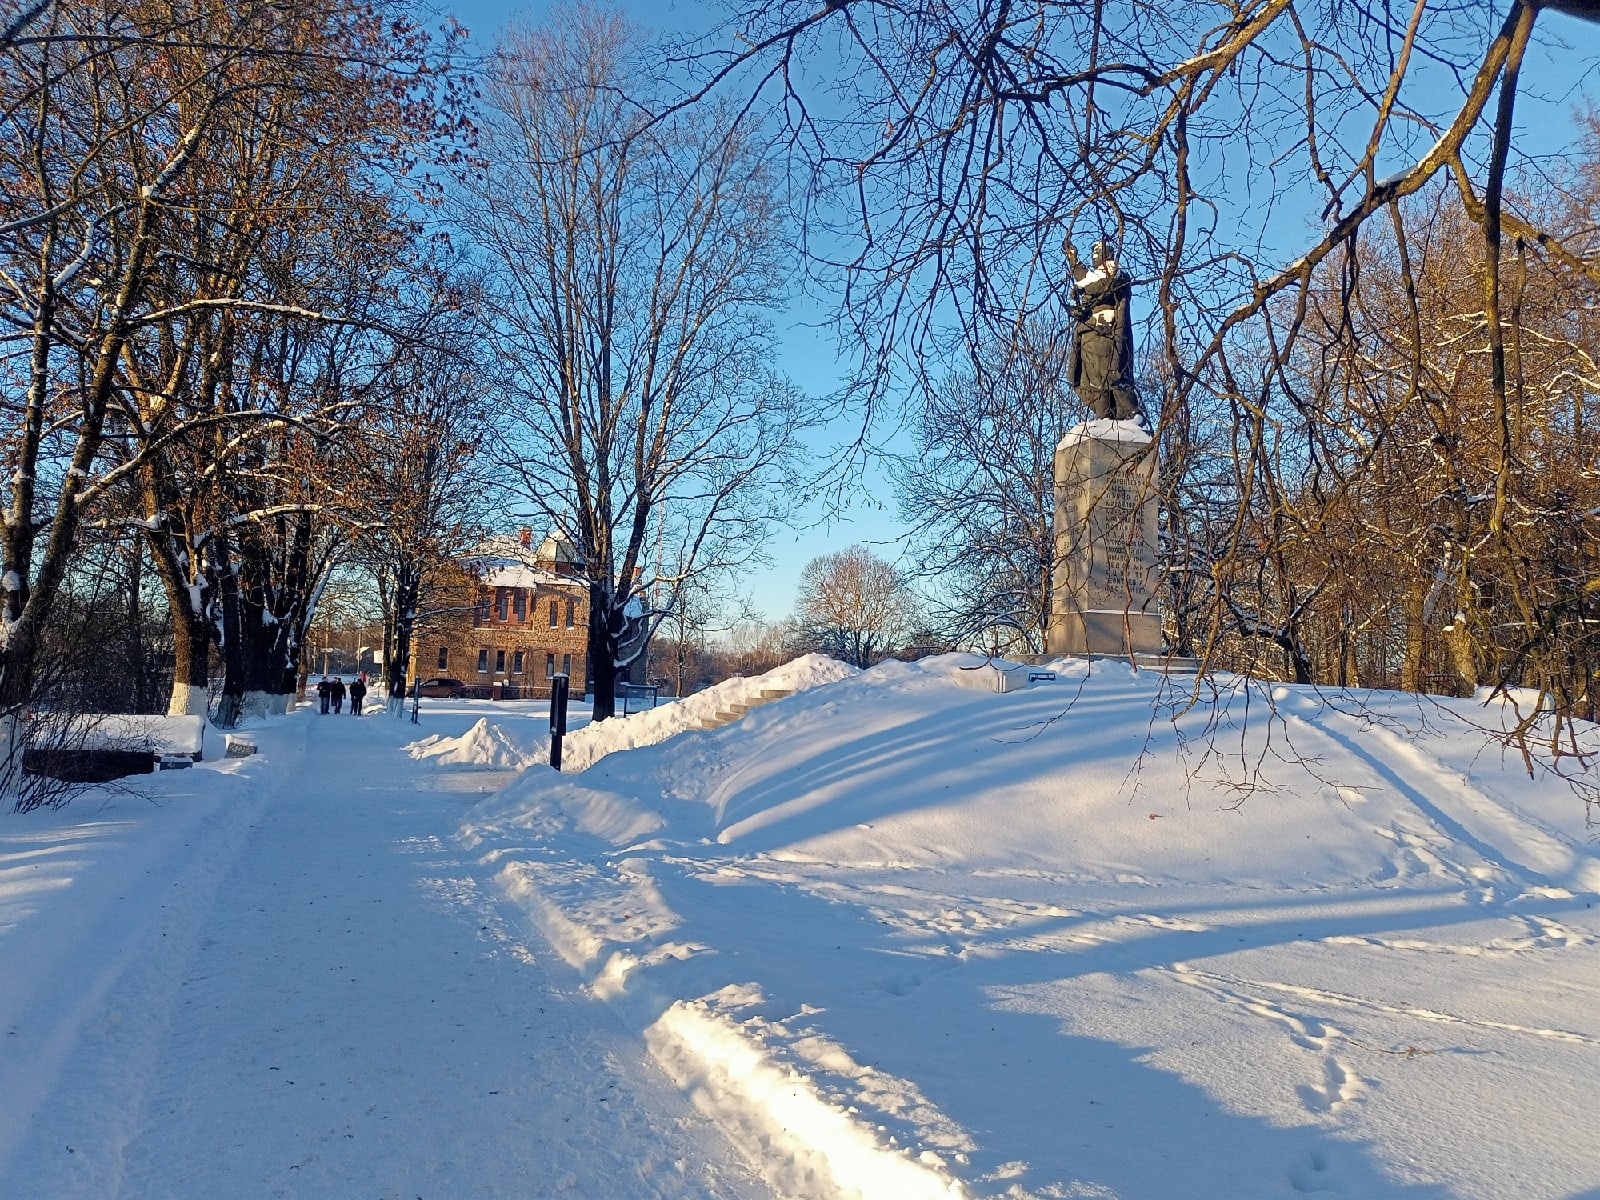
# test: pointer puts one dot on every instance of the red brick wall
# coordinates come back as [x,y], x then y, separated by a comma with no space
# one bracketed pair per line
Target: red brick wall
[494,631]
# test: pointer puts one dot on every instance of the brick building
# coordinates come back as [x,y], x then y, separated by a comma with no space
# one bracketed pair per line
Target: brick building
[529,620]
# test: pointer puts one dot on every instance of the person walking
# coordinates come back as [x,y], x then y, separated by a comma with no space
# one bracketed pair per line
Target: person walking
[337,690]
[358,692]
[324,692]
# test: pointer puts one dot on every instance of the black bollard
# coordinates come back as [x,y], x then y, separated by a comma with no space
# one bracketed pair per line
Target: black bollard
[558,718]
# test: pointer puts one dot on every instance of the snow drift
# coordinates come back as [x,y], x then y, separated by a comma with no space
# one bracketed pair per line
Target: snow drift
[488,745]
[1102,937]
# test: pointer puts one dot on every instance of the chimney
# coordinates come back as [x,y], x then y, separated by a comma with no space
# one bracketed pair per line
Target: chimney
[526,535]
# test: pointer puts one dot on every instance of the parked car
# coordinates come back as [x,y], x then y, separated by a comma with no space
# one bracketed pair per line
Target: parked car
[442,685]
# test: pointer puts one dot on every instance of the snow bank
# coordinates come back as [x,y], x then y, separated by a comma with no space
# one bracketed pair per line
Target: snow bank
[767,1106]
[1099,937]
[139,731]
[488,745]
[586,746]
[101,905]
[492,746]
[904,936]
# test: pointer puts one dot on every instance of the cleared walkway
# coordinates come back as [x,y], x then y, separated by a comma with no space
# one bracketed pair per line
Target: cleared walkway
[359,1019]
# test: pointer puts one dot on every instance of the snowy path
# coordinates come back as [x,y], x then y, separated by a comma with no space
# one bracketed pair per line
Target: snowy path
[357,1018]
[899,937]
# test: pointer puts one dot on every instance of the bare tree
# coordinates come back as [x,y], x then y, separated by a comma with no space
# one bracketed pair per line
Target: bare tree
[277,253]
[170,169]
[754,647]
[106,106]
[682,632]
[948,149]
[1398,431]
[977,488]
[427,484]
[970,138]
[636,260]
[16,27]
[853,605]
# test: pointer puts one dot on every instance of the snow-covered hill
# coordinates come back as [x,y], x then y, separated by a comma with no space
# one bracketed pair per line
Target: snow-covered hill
[895,936]
[917,939]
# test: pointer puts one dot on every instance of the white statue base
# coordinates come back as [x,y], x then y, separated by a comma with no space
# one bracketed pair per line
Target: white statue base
[1106,570]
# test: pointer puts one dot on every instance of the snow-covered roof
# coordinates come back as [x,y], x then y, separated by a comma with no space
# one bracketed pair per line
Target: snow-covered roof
[508,562]
[506,573]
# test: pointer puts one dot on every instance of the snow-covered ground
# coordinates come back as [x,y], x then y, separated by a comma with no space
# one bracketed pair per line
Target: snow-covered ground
[894,936]
[278,977]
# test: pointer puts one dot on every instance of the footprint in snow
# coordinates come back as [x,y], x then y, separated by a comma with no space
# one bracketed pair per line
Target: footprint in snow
[1317,1174]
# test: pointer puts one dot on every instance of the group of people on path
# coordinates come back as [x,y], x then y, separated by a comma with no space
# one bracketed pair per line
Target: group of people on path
[332,692]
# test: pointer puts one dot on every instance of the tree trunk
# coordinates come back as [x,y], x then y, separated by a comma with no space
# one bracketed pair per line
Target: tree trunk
[602,652]
[1463,655]
[1411,665]
[16,688]
[191,649]
[191,629]
[386,601]
[231,705]
[1349,665]
[273,607]
[397,654]
[1299,661]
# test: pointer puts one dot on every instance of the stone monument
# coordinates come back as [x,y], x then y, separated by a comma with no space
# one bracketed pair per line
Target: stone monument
[1106,568]
[1106,511]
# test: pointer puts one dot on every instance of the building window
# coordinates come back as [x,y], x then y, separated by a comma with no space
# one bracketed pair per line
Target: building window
[569,614]
[483,662]
[566,665]
[520,605]
[516,663]
[550,666]
[499,662]
[444,658]
[552,614]
[501,604]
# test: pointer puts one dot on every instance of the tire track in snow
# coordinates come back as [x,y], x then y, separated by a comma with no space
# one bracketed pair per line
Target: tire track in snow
[1540,933]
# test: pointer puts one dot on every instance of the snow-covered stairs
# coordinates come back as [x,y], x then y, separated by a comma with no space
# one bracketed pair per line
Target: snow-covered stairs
[735,712]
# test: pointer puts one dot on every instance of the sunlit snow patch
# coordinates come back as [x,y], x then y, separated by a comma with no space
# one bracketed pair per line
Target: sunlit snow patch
[771,1106]
[587,746]
[486,746]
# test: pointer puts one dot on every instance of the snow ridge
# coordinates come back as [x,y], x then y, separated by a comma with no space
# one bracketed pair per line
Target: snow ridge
[839,923]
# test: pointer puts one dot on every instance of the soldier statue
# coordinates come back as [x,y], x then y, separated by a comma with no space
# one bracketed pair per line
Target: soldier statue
[1100,366]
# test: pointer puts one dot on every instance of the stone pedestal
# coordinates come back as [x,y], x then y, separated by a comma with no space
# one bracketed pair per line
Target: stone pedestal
[1106,573]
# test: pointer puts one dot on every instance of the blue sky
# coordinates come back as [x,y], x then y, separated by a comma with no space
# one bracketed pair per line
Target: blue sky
[1558,76]
[808,355]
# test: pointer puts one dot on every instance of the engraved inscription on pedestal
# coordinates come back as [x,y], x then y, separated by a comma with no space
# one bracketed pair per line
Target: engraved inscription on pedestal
[1106,573]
